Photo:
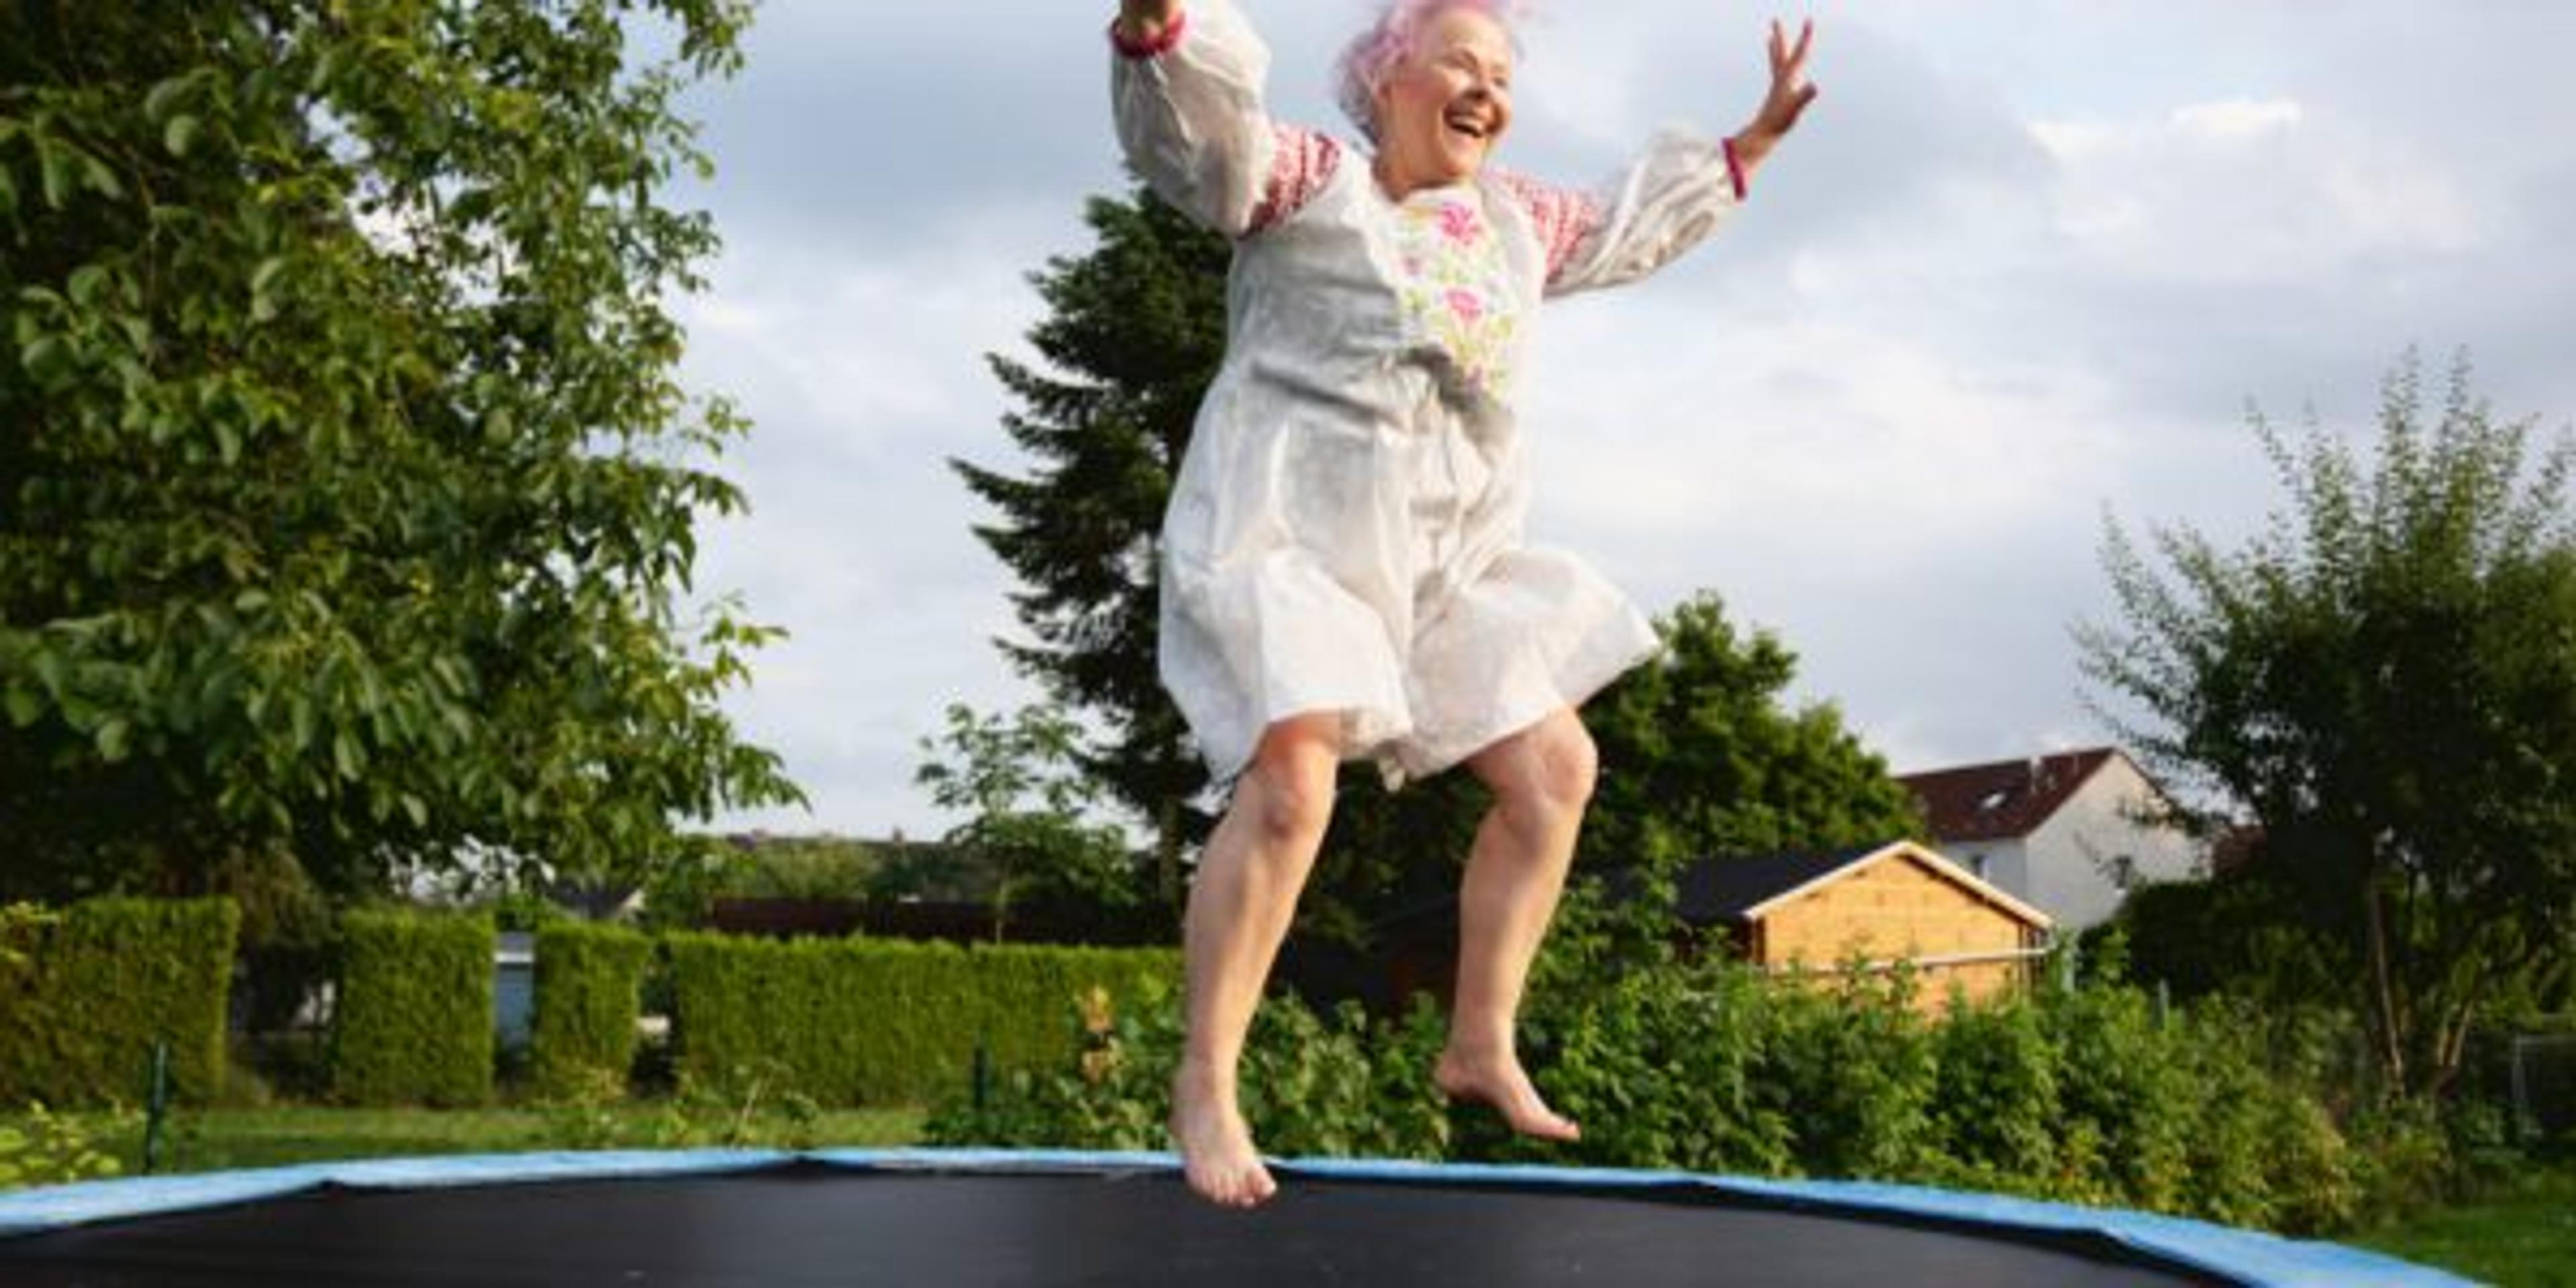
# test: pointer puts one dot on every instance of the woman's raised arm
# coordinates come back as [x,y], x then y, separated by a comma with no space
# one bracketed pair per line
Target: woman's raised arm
[1186,94]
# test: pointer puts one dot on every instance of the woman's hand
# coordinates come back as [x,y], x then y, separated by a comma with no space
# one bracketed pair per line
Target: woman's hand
[1145,20]
[1790,94]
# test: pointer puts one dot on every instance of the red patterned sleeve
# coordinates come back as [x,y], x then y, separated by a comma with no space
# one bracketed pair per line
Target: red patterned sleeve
[1562,217]
[1301,162]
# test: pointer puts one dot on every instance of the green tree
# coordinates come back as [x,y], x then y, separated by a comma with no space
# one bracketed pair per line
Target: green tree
[346,494]
[1026,802]
[1702,756]
[2385,680]
[1134,332]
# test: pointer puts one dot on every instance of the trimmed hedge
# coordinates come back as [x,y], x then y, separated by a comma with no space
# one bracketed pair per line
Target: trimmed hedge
[414,1020]
[85,994]
[589,980]
[860,1021]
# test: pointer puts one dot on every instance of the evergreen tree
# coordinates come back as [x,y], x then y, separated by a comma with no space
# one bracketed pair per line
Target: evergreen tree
[1134,333]
[2386,681]
[342,511]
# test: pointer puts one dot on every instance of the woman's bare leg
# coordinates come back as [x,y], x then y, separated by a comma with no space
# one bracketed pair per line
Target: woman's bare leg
[1240,905]
[1542,778]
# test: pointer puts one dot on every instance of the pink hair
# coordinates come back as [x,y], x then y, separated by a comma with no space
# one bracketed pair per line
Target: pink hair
[1372,54]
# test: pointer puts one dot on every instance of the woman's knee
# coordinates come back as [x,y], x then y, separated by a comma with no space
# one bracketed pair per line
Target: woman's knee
[1554,767]
[1292,776]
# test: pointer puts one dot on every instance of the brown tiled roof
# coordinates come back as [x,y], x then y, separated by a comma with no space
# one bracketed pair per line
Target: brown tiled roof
[2002,800]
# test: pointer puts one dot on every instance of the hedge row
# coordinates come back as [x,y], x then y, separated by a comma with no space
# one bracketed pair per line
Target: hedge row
[590,979]
[85,994]
[415,1009]
[859,1021]
[2094,1095]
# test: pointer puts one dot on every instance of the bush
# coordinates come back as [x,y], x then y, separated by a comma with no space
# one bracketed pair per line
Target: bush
[414,1021]
[858,1021]
[1996,1106]
[43,1148]
[589,980]
[1668,1068]
[1314,1085]
[86,993]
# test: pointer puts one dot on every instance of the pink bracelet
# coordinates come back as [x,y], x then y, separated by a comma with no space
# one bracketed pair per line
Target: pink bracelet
[1734,169]
[1154,46]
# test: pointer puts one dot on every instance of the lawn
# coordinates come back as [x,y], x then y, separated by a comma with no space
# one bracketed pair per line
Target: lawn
[215,1139]
[2521,1237]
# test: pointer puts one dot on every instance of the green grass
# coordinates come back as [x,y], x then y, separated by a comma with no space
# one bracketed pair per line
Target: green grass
[2523,1236]
[216,1139]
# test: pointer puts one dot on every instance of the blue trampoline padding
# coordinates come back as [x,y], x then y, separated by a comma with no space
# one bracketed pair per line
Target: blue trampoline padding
[2248,1257]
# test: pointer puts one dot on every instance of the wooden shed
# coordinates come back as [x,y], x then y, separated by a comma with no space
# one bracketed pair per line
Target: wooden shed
[1880,904]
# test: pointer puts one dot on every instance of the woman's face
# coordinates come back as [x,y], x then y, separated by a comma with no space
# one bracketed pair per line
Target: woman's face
[1446,104]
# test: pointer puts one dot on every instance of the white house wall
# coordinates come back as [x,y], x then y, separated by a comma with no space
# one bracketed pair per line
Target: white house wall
[2070,859]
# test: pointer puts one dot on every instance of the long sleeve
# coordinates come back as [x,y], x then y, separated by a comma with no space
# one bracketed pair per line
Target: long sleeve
[1190,118]
[1665,203]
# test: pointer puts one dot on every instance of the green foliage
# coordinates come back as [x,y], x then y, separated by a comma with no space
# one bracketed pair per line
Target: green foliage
[2081,1095]
[86,993]
[1330,1085]
[2386,681]
[1700,757]
[1671,1067]
[1134,332]
[45,1148]
[1016,781]
[2241,933]
[858,1021]
[589,981]
[414,1022]
[1997,1107]
[349,485]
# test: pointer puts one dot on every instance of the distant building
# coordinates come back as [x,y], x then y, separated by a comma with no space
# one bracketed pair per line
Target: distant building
[2071,833]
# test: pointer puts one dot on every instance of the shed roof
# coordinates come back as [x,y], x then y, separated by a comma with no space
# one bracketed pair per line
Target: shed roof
[1746,889]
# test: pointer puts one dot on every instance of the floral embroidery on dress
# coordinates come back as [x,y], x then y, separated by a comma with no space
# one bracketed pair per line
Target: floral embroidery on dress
[1457,289]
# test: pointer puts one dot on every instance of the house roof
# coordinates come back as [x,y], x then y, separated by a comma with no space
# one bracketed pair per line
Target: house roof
[1746,889]
[2005,799]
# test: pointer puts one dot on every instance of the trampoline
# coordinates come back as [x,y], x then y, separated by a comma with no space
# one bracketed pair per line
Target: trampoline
[733,1219]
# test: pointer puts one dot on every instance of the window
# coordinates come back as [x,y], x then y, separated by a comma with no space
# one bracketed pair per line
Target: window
[2124,872]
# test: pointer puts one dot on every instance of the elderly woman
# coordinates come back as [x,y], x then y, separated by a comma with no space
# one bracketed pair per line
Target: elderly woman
[1344,570]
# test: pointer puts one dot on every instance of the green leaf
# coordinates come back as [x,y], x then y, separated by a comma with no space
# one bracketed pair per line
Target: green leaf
[47,358]
[165,95]
[24,706]
[181,134]
[112,738]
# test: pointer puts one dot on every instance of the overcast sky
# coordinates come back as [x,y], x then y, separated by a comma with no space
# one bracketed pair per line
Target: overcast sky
[2026,265]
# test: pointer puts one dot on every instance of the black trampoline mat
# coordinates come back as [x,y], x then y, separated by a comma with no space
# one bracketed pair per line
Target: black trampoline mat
[807,1225]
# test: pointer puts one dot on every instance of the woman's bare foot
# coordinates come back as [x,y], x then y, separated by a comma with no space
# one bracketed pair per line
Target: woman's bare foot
[1500,1082]
[1217,1154]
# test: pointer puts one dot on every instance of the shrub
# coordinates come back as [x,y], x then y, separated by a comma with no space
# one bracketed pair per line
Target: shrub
[589,981]
[1330,1085]
[1996,1106]
[86,993]
[44,1148]
[414,1021]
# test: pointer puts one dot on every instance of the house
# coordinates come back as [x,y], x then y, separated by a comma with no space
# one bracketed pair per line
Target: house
[1877,905]
[2070,833]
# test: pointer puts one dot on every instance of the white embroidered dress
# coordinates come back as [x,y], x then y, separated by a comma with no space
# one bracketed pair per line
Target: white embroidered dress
[1345,533]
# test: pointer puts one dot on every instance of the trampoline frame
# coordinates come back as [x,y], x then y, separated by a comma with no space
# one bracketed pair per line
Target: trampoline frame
[2246,1257]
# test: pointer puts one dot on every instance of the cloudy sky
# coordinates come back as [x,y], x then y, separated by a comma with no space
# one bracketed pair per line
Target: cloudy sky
[2027,265]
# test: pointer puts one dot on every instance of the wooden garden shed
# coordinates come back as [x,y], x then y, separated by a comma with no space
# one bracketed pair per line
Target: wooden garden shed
[1880,904]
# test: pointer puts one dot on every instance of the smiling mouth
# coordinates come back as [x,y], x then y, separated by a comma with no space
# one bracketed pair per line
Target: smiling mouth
[1466,125]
